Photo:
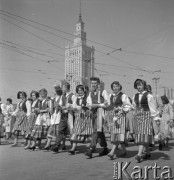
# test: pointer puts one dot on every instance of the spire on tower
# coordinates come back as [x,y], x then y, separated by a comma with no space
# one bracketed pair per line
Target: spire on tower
[80,13]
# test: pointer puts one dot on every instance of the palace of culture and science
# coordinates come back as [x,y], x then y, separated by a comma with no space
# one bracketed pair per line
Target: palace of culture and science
[79,58]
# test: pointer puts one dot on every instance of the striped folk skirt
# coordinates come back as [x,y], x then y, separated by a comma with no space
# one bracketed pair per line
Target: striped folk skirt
[21,123]
[83,128]
[143,127]
[39,132]
[31,123]
[117,127]
[53,131]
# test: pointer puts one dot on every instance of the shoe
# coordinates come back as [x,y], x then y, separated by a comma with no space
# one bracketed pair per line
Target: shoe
[123,154]
[151,145]
[146,156]
[103,152]
[14,145]
[89,153]
[64,148]
[32,148]
[138,158]
[26,147]
[160,147]
[72,152]
[46,148]
[131,140]
[56,149]
[111,156]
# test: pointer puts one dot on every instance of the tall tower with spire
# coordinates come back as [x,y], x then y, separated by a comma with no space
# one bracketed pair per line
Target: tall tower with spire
[79,58]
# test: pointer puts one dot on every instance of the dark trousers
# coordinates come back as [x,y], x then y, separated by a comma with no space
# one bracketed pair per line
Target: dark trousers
[98,137]
[63,127]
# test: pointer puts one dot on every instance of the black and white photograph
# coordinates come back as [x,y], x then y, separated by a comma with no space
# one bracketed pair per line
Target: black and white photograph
[86,89]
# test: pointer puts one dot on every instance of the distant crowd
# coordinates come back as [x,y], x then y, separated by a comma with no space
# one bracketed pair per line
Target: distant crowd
[86,116]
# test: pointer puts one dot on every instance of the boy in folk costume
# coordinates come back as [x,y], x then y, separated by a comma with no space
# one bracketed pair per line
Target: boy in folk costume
[97,100]
[67,116]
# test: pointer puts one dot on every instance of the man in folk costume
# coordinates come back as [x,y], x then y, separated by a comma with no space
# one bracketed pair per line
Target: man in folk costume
[67,116]
[97,100]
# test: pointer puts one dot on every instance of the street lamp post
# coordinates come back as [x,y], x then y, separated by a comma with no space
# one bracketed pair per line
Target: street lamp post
[156,83]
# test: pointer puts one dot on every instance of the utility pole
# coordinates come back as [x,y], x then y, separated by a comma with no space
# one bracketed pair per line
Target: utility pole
[156,83]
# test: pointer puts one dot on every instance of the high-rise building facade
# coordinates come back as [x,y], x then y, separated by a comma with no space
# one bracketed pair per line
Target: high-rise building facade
[79,58]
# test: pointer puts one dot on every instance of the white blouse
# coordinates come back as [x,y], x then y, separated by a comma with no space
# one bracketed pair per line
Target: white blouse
[75,102]
[126,102]
[28,106]
[151,103]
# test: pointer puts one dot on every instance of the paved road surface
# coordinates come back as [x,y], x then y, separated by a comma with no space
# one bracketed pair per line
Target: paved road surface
[19,164]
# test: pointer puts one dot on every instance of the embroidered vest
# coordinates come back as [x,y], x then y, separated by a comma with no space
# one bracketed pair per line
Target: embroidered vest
[22,106]
[118,101]
[94,97]
[144,101]
[83,101]
[69,98]
[44,105]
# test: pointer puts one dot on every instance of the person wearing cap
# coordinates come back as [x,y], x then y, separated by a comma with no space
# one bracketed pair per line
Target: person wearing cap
[145,111]
[97,100]
[55,116]
[116,115]
[67,117]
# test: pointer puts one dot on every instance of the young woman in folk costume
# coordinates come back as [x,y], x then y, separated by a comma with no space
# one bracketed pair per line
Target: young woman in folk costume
[83,124]
[55,117]
[145,111]
[67,117]
[119,106]
[42,124]
[166,122]
[22,114]
[9,120]
[34,95]
[97,100]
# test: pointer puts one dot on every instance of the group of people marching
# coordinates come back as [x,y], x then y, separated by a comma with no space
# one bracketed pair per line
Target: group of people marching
[83,116]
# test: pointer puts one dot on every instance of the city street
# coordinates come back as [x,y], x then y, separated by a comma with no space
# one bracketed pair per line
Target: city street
[17,163]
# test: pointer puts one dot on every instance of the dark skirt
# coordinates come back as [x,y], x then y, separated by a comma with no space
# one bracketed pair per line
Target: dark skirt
[82,127]
[31,124]
[53,131]
[39,132]
[143,127]
[21,123]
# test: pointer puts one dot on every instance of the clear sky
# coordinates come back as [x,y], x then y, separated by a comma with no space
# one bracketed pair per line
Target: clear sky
[137,26]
